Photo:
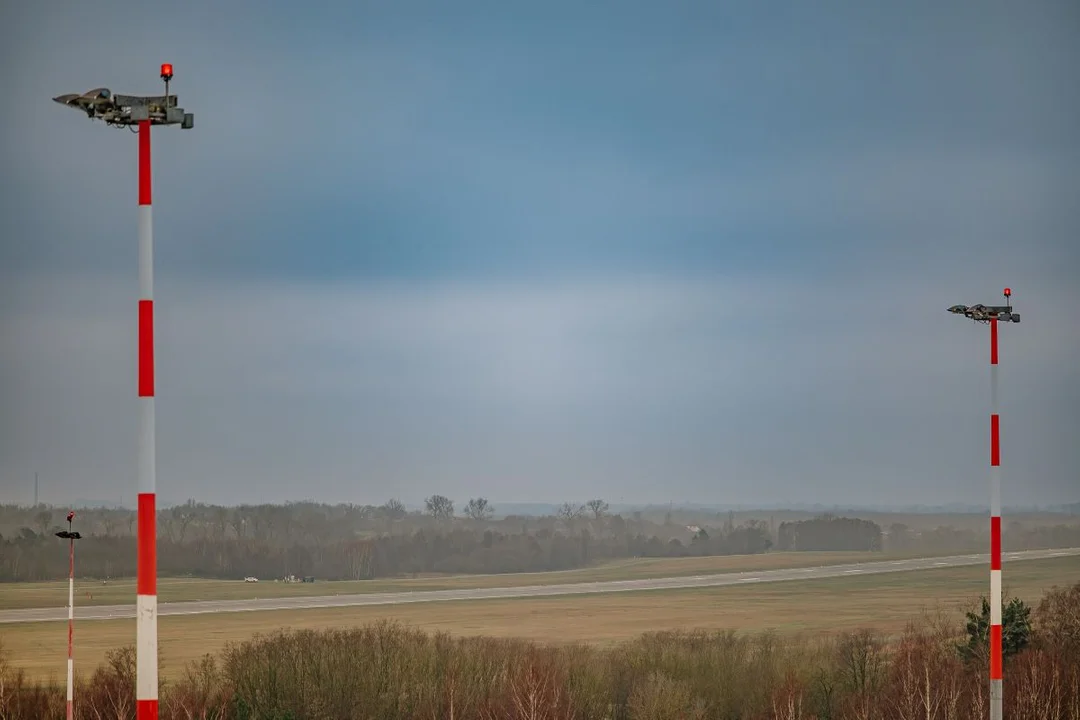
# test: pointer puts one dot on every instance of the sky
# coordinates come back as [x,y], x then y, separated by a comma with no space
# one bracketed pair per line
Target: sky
[649,252]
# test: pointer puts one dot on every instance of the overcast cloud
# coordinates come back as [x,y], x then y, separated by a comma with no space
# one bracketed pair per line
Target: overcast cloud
[660,253]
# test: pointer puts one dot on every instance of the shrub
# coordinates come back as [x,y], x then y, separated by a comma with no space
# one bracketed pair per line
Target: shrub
[389,672]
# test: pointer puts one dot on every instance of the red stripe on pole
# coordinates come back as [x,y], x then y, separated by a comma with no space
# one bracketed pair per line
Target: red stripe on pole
[144,162]
[995,542]
[993,342]
[147,562]
[146,348]
[995,440]
[995,652]
[146,709]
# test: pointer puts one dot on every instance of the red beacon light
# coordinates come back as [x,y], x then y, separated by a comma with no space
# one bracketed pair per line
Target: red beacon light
[1008,292]
[166,71]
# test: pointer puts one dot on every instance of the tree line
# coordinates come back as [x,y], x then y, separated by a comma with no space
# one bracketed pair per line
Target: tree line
[346,541]
[353,542]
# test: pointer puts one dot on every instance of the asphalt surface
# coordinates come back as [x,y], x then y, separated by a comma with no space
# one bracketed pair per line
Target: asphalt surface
[114,612]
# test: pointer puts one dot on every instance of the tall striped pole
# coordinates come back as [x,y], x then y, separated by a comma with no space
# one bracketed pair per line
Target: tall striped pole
[995,531]
[142,111]
[146,674]
[992,314]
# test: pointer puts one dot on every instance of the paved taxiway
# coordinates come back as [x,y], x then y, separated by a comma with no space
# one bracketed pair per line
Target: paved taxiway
[113,612]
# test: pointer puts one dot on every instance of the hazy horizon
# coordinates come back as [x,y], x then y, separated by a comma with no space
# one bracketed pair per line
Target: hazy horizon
[682,252]
[503,508]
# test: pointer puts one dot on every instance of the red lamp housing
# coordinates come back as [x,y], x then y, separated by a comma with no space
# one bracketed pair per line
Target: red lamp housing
[1008,292]
[166,71]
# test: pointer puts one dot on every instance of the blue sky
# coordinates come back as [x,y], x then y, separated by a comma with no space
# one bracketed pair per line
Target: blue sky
[679,251]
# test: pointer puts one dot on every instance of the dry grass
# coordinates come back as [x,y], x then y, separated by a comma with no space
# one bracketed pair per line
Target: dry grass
[122,592]
[884,602]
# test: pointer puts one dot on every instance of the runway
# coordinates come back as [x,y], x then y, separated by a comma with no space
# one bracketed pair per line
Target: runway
[115,612]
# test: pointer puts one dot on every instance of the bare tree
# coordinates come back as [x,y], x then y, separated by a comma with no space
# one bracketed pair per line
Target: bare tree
[184,517]
[598,508]
[569,511]
[1057,619]
[262,520]
[220,520]
[479,509]
[439,507]
[360,555]
[285,522]
[42,520]
[861,664]
[238,521]
[166,525]
[394,509]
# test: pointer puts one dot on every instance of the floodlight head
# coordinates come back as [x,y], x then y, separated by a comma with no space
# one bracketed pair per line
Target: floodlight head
[986,313]
[96,94]
[166,71]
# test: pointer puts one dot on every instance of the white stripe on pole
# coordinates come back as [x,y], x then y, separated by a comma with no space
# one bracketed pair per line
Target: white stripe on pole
[995,592]
[146,670]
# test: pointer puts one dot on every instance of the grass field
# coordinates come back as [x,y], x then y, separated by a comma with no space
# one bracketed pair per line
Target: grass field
[885,602]
[120,592]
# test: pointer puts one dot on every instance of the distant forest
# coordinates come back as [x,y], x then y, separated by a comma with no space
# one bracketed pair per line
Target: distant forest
[358,542]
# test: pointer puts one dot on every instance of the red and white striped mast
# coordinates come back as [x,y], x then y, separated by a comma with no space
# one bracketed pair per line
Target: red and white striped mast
[992,315]
[995,527]
[146,680]
[71,537]
[142,112]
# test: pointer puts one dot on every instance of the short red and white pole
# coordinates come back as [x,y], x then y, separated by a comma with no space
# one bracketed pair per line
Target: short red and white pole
[146,670]
[71,625]
[71,537]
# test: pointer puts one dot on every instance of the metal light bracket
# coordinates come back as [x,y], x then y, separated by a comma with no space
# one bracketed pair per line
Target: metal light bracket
[986,313]
[128,110]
